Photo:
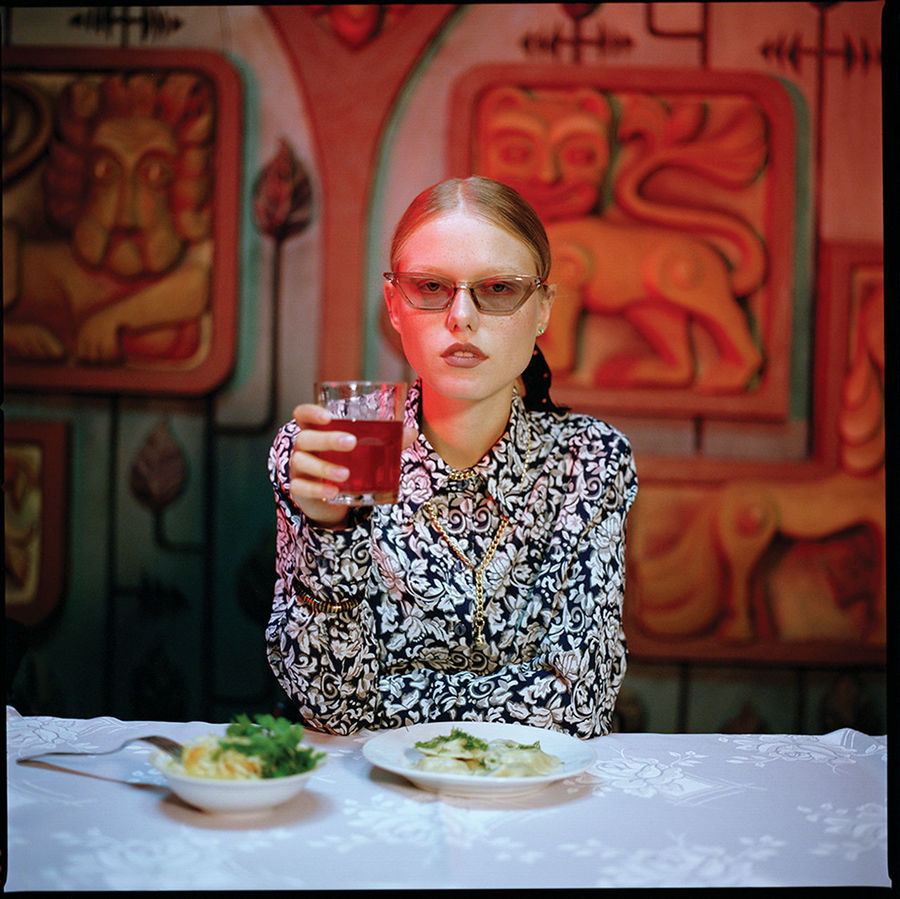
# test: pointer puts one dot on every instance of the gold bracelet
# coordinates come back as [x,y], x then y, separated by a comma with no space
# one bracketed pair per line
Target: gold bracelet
[324,605]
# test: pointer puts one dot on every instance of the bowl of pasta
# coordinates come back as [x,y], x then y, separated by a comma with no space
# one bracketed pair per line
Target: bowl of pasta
[255,766]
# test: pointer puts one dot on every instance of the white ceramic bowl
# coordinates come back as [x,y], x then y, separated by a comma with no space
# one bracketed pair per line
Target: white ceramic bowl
[212,794]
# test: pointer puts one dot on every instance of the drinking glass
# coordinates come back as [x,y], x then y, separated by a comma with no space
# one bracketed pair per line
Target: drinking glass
[373,411]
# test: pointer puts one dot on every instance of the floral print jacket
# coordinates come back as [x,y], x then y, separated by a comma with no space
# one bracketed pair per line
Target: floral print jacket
[372,624]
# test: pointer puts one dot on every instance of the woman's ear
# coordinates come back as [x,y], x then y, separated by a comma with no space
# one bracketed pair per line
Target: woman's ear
[549,295]
[390,298]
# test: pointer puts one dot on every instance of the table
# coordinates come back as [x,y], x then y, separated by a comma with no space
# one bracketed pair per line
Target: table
[684,810]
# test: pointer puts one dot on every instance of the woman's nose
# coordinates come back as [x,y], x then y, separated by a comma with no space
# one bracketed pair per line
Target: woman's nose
[462,313]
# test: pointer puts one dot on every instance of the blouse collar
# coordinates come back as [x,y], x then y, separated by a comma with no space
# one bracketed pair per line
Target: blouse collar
[507,468]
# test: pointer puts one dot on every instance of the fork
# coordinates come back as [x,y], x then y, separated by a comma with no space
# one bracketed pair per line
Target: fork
[172,747]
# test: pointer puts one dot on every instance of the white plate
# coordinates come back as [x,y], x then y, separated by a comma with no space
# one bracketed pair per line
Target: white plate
[213,794]
[395,751]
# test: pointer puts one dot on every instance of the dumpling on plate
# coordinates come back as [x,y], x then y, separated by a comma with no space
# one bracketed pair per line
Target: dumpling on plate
[442,764]
[522,761]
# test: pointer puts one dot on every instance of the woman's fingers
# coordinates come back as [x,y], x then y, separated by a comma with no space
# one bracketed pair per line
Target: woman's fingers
[309,414]
[309,468]
[315,473]
[313,483]
[313,477]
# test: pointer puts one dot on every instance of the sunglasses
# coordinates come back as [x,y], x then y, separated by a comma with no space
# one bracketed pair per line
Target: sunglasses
[499,295]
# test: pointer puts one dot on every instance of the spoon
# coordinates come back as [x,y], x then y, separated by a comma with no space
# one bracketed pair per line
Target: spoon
[172,747]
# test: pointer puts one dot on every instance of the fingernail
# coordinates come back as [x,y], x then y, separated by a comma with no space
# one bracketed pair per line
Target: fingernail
[347,441]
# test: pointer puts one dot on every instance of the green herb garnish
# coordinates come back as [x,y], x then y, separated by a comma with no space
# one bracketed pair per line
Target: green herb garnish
[467,741]
[274,741]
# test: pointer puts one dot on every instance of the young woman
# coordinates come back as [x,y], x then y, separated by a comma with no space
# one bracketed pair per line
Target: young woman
[492,590]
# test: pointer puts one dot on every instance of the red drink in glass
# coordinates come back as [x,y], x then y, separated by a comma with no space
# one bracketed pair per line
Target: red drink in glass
[373,411]
[374,463]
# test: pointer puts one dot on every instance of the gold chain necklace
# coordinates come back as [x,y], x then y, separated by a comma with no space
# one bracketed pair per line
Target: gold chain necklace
[479,568]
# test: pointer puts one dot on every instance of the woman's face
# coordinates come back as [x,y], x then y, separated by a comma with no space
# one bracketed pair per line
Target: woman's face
[459,352]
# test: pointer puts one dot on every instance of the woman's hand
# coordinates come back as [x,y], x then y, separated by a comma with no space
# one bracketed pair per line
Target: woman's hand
[313,481]
[309,474]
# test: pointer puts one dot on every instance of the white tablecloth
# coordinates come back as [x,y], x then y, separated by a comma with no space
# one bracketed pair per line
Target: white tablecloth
[654,810]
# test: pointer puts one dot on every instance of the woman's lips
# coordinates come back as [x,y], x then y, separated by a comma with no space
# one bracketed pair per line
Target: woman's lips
[463,355]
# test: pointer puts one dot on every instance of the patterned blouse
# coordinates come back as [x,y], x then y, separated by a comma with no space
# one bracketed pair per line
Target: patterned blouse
[376,624]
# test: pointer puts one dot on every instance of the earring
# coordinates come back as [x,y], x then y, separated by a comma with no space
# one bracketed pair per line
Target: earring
[541,331]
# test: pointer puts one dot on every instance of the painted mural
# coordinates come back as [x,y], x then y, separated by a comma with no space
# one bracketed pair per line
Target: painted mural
[114,181]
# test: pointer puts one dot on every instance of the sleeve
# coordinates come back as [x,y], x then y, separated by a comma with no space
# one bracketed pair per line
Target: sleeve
[586,650]
[571,681]
[319,639]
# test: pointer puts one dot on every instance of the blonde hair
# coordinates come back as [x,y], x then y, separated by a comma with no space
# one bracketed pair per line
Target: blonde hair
[490,200]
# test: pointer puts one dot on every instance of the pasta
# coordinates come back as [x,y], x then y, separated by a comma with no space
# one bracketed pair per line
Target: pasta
[461,753]
[263,748]
[205,757]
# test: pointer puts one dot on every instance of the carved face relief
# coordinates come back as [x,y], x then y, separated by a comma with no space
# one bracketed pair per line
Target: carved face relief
[551,146]
[127,226]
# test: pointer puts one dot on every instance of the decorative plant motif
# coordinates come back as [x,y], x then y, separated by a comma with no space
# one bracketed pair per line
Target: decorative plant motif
[282,195]
[158,472]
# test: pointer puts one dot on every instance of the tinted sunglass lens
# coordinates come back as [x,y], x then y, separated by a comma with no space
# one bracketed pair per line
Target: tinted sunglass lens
[426,293]
[501,295]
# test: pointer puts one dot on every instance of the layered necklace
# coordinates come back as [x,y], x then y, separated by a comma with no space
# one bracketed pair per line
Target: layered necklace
[477,567]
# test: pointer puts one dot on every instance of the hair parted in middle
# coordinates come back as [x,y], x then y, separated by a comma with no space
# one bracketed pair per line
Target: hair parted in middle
[490,200]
